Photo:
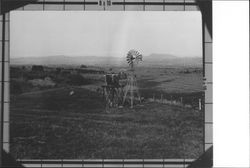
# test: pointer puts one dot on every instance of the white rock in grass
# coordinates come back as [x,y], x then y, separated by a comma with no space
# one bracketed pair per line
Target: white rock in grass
[71,93]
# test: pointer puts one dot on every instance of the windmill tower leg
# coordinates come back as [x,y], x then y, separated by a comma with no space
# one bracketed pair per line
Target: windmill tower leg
[132,91]
[125,95]
[137,91]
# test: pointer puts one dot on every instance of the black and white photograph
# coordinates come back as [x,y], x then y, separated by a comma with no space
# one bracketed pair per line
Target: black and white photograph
[124,83]
[106,85]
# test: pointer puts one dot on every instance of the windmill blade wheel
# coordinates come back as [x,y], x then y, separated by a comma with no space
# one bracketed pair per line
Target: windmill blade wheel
[133,57]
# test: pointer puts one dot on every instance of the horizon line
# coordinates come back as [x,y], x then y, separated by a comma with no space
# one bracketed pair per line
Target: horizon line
[104,56]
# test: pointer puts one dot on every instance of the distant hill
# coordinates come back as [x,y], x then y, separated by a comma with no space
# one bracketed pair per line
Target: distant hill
[167,59]
[150,60]
[65,60]
[161,56]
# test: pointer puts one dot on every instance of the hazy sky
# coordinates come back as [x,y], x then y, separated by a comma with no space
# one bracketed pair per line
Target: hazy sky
[51,33]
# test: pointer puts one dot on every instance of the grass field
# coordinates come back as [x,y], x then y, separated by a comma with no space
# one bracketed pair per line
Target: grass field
[56,125]
[51,123]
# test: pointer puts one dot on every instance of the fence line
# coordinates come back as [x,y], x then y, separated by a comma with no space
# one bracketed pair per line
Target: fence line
[174,102]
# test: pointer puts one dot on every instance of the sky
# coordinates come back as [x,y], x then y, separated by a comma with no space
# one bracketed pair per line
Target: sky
[104,33]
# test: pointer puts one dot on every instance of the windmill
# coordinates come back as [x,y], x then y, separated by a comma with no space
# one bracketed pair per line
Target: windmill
[131,90]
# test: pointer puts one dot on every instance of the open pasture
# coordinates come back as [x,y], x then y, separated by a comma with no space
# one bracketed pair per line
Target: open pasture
[57,125]
[70,120]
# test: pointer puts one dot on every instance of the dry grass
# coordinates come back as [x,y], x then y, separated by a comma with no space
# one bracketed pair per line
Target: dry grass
[52,124]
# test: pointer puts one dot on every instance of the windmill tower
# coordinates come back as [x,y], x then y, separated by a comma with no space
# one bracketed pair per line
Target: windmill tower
[131,90]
